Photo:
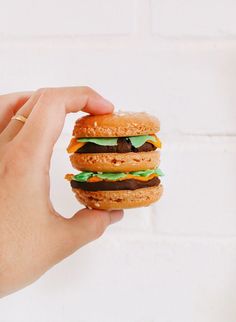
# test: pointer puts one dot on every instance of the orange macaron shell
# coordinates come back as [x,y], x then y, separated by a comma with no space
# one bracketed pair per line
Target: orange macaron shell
[115,162]
[119,199]
[116,125]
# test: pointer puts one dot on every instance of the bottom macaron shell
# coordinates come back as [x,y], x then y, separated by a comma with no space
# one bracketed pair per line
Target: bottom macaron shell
[119,199]
[115,162]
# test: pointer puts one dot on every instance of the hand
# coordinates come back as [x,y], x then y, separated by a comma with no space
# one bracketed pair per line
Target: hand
[33,236]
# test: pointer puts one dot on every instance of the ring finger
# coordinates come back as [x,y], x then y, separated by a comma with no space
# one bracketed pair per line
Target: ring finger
[16,123]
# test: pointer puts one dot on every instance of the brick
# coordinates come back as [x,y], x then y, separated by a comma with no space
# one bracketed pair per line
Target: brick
[163,279]
[71,17]
[200,187]
[190,91]
[203,18]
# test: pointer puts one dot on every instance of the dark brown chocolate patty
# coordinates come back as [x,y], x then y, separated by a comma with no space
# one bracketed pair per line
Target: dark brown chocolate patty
[123,146]
[129,184]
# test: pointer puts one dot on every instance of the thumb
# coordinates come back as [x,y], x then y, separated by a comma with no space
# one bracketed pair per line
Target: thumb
[85,226]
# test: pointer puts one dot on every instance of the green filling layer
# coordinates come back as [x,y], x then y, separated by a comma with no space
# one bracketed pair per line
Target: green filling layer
[100,141]
[136,141]
[85,175]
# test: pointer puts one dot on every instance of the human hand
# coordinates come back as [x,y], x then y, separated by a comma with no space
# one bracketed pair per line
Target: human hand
[33,236]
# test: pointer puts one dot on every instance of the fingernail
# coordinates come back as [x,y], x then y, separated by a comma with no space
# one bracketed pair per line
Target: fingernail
[107,103]
[116,215]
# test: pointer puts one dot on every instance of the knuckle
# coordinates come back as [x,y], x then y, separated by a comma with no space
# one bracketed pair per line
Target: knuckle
[41,90]
[87,89]
[45,91]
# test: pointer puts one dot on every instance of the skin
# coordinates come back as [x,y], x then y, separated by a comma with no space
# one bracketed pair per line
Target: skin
[33,236]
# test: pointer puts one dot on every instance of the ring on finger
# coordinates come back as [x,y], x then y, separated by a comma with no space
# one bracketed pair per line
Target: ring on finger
[20,118]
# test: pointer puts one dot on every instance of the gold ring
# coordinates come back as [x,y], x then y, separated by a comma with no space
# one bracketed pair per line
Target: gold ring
[20,118]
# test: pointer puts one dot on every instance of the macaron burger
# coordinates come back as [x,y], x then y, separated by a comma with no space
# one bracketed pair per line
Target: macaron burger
[118,157]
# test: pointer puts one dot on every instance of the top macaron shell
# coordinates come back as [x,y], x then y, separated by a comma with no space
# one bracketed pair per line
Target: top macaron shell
[116,125]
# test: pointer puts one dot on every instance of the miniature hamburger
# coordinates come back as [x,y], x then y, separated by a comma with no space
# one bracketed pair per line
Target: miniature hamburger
[118,157]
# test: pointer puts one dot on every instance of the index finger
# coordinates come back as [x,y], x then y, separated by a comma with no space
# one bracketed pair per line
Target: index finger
[47,116]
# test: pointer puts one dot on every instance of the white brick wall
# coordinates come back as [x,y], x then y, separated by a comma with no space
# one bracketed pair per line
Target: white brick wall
[174,261]
[66,17]
[199,18]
